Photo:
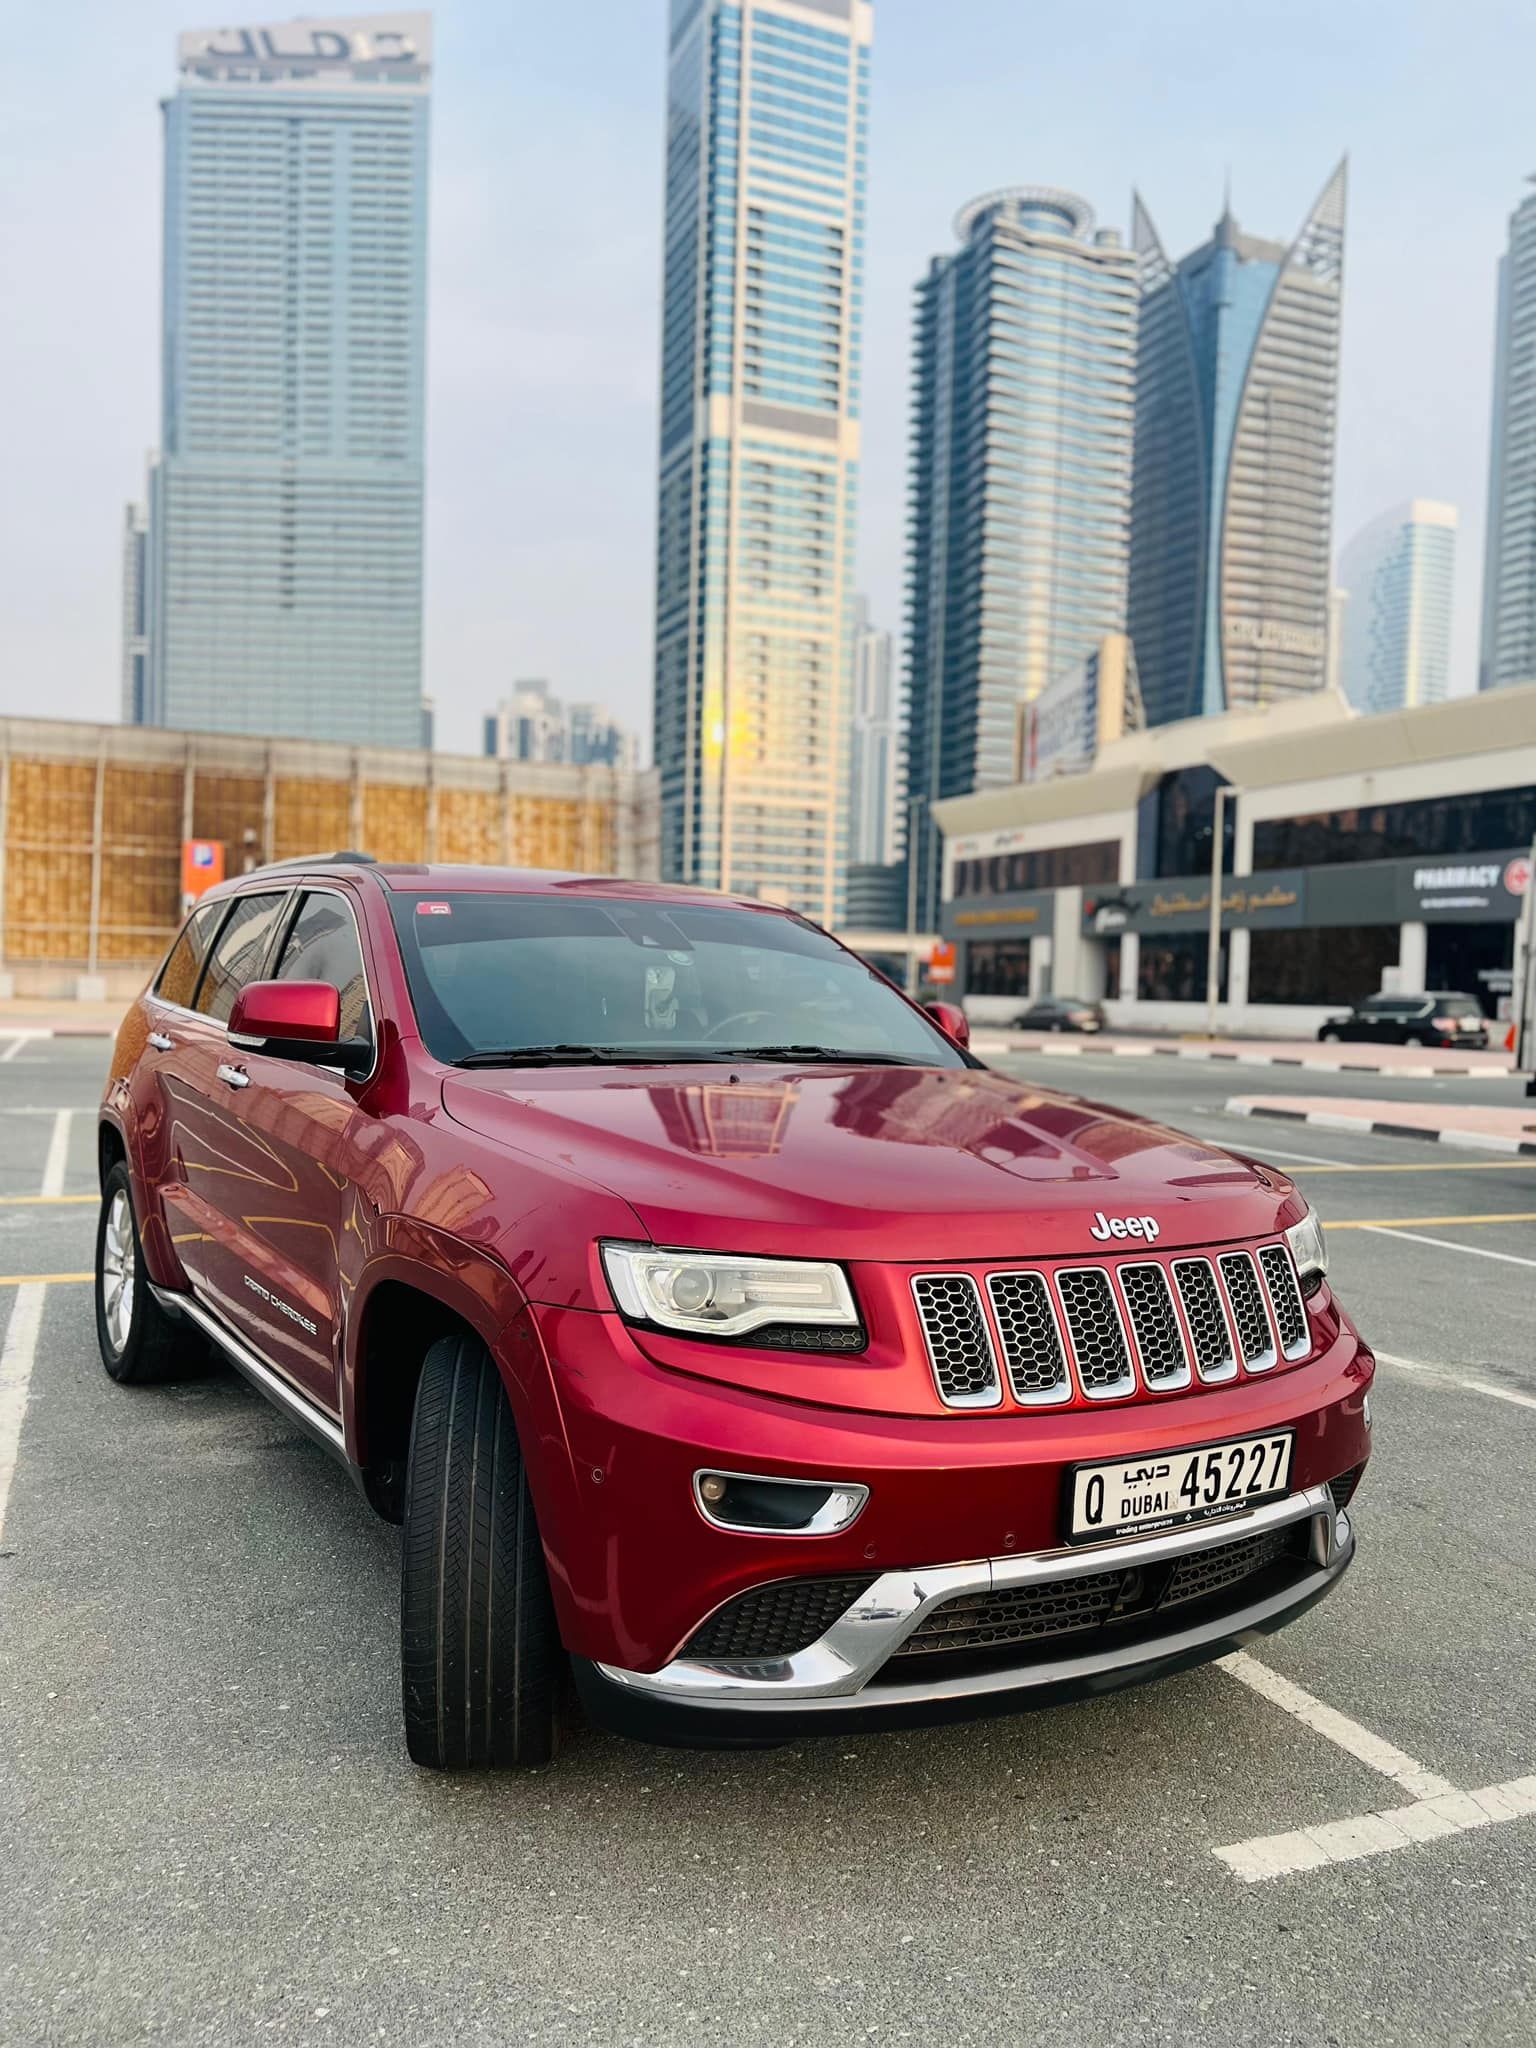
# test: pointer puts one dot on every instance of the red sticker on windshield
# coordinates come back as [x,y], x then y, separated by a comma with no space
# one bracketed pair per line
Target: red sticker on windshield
[434,910]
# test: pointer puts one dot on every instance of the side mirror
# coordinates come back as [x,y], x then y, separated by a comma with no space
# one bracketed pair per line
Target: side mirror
[295,1020]
[951,1020]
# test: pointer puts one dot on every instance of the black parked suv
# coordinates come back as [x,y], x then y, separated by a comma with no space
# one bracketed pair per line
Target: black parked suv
[1437,1017]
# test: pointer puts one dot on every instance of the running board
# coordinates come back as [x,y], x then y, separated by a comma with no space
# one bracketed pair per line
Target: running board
[263,1377]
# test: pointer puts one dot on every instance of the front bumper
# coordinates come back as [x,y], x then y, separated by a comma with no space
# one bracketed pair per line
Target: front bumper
[854,1675]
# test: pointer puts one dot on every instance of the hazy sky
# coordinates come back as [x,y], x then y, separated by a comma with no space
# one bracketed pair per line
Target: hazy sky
[546,192]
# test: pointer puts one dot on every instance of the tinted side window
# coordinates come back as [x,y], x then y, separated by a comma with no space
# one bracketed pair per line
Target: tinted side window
[237,957]
[178,977]
[323,946]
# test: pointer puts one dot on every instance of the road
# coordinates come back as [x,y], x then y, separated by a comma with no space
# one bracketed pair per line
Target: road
[210,1833]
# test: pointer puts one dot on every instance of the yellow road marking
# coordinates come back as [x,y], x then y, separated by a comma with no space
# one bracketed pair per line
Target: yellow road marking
[43,1279]
[43,1201]
[1433,1166]
[1409,1222]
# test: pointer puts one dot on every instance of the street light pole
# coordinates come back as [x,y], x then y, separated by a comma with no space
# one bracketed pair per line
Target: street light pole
[1213,955]
[914,805]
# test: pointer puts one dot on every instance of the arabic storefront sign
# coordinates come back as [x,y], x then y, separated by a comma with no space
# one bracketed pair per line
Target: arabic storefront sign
[1263,902]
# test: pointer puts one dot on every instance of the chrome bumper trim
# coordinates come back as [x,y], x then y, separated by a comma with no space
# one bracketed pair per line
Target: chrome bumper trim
[834,1671]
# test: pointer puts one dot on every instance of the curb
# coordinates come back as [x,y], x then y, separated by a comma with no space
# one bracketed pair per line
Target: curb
[29,1031]
[998,1042]
[1335,1120]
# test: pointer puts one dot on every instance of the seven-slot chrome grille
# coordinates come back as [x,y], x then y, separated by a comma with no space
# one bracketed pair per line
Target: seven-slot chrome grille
[1106,1329]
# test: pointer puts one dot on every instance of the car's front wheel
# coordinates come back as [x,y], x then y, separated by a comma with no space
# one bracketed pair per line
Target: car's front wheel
[480,1654]
[139,1342]
[1328,1036]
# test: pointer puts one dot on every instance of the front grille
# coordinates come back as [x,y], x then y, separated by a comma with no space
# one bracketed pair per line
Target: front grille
[1343,1488]
[1155,1326]
[775,1621]
[1017,1625]
[1094,1328]
[959,1346]
[1248,1312]
[1017,1614]
[1285,1299]
[1059,1333]
[1026,1323]
[1211,1571]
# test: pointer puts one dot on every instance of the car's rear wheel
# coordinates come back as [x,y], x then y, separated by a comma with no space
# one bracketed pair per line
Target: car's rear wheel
[480,1655]
[1329,1037]
[139,1342]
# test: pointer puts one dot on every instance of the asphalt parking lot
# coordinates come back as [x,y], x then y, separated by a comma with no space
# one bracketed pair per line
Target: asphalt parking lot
[209,1830]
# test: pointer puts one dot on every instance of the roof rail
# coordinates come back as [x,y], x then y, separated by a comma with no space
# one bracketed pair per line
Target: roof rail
[346,857]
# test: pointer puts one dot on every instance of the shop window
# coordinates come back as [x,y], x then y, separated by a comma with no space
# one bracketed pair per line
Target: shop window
[1333,964]
[1171,967]
[1436,827]
[997,967]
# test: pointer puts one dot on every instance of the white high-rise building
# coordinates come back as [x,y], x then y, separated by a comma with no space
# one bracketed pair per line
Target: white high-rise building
[1395,645]
[135,638]
[767,106]
[1509,559]
[285,516]
[874,748]
[535,725]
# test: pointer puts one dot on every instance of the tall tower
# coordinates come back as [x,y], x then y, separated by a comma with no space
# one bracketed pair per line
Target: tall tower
[1396,640]
[767,107]
[285,521]
[874,781]
[1509,563]
[1020,497]
[1236,409]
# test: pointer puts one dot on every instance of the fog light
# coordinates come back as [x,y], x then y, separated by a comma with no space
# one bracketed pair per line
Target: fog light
[752,1505]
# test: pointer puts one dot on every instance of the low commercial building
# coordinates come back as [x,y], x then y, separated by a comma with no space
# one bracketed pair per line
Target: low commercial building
[1361,854]
[93,818]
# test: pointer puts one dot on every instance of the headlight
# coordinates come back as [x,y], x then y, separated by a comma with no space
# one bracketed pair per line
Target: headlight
[1309,1251]
[712,1294]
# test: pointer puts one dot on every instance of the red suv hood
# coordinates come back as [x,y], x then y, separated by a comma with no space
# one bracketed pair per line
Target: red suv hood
[874,1162]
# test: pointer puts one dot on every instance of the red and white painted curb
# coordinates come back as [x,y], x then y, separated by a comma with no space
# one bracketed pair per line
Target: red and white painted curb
[992,1043]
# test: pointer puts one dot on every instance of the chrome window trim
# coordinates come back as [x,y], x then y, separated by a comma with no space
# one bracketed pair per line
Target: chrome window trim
[1268,1359]
[285,925]
[1121,1388]
[835,1671]
[992,1398]
[1229,1372]
[1183,1378]
[1048,1397]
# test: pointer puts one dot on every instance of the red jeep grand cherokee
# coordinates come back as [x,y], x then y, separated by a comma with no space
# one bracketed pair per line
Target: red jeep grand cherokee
[719,1328]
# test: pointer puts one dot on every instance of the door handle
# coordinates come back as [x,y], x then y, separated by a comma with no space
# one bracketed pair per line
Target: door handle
[237,1077]
[160,1042]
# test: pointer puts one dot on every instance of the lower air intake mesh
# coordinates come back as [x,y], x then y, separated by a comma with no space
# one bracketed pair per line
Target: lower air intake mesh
[777,1620]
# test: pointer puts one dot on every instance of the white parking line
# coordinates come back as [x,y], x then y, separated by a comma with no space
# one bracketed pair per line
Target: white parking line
[1369,1749]
[1449,1376]
[11,1050]
[1438,1808]
[16,1377]
[58,1153]
[1372,1834]
[1445,1244]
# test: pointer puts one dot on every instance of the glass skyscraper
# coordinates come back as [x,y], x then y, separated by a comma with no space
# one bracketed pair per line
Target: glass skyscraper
[767,107]
[874,780]
[1236,407]
[1397,576]
[1020,495]
[1508,652]
[285,506]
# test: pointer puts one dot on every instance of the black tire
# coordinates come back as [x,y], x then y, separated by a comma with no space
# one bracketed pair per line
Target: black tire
[139,1342]
[480,1656]
[1328,1036]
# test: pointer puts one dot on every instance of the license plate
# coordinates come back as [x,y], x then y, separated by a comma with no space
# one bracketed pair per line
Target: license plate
[1168,1488]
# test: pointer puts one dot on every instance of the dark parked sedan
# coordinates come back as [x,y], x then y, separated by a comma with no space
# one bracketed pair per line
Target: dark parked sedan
[1437,1017]
[1061,1013]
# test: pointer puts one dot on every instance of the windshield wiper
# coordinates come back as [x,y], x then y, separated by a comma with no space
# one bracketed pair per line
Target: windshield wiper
[557,1055]
[804,1054]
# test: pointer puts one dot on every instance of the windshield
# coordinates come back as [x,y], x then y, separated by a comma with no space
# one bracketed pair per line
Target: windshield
[595,977]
